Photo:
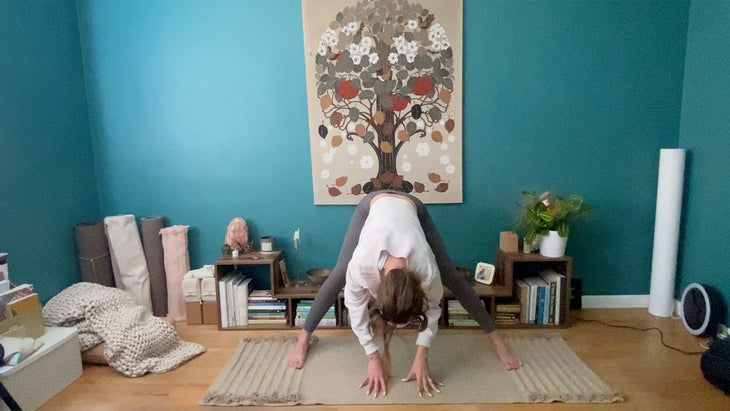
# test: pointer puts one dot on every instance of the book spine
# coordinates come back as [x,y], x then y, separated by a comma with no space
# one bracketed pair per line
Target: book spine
[551,306]
[223,303]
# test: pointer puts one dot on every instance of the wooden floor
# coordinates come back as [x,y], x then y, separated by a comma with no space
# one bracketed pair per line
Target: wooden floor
[650,376]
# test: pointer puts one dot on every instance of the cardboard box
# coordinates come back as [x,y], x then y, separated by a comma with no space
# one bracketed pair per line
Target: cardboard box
[194,312]
[46,372]
[508,241]
[210,312]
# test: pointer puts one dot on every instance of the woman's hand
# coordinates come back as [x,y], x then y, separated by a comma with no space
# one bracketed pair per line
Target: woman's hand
[422,374]
[375,381]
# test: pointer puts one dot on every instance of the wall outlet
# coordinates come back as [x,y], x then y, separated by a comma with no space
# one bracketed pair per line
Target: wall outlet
[722,332]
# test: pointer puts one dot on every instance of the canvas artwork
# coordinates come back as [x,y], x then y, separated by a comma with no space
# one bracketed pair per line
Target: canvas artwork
[384,93]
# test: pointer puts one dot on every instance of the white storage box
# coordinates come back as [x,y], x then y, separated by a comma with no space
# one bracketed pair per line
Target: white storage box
[46,372]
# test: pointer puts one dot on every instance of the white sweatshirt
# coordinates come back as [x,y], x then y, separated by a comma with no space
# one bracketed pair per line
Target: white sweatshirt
[392,227]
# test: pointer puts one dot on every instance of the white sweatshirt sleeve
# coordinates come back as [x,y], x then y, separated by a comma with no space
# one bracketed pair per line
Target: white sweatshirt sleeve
[356,301]
[433,296]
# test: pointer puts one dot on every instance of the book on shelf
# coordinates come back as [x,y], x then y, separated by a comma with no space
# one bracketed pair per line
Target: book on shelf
[266,305]
[507,318]
[286,282]
[522,292]
[241,290]
[559,293]
[458,316]
[255,321]
[11,295]
[508,308]
[302,311]
[536,310]
[263,308]
[223,298]
[261,295]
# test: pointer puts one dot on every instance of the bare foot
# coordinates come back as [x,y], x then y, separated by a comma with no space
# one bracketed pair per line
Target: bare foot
[298,351]
[509,360]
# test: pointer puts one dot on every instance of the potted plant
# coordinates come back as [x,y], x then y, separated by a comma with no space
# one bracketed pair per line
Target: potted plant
[550,218]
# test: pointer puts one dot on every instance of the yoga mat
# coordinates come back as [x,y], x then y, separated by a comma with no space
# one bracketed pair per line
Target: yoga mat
[154,255]
[128,261]
[177,264]
[93,253]
[463,361]
[666,231]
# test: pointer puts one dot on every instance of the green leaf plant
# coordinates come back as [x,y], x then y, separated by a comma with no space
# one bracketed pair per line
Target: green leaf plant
[545,212]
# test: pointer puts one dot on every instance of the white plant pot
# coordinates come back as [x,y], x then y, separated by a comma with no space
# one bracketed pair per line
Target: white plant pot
[553,245]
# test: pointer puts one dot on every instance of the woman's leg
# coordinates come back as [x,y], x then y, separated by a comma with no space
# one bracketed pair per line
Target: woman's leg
[458,285]
[328,292]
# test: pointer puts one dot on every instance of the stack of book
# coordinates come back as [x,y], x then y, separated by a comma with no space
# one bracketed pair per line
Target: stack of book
[458,316]
[233,290]
[507,314]
[329,319]
[263,308]
[542,298]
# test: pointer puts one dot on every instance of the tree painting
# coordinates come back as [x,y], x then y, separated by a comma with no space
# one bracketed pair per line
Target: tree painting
[384,76]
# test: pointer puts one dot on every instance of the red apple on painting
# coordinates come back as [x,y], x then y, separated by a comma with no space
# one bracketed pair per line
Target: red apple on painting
[398,104]
[346,90]
[422,86]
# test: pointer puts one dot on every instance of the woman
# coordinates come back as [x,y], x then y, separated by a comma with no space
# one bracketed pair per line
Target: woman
[399,235]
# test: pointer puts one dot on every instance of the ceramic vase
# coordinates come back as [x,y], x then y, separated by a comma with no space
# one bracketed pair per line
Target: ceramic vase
[553,245]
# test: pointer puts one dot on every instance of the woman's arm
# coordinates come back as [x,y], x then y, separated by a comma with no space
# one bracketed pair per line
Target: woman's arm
[434,293]
[356,301]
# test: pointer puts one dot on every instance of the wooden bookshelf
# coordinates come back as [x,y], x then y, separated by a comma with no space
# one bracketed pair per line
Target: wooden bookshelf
[509,266]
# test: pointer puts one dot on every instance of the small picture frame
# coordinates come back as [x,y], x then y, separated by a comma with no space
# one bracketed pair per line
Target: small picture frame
[484,273]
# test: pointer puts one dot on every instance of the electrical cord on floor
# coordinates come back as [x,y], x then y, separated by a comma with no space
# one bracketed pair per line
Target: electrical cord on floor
[703,344]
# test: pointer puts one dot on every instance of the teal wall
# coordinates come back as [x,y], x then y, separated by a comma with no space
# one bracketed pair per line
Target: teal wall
[705,132]
[47,178]
[198,112]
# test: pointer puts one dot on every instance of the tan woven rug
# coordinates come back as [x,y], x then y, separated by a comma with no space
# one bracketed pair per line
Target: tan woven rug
[463,361]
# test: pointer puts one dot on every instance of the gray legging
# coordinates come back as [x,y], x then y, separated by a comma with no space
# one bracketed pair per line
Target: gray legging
[464,292]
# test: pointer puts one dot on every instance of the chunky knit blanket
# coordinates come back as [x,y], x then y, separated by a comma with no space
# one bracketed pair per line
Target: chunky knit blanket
[136,342]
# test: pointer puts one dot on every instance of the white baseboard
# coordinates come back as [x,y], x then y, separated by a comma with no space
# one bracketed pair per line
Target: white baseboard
[619,301]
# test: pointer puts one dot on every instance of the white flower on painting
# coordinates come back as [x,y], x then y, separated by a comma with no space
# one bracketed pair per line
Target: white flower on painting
[323,143]
[450,169]
[400,44]
[445,159]
[366,162]
[325,174]
[327,157]
[393,58]
[423,149]
[329,38]
[444,146]
[352,149]
[374,58]
[351,28]
[412,24]
[451,138]
[438,38]
[354,49]
[406,166]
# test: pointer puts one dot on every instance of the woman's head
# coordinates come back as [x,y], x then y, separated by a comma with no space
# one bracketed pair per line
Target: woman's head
[401,300]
